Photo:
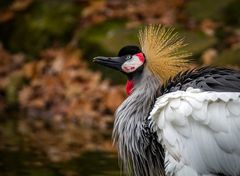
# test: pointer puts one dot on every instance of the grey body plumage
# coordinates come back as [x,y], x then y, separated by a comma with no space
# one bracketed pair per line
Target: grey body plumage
[140,154]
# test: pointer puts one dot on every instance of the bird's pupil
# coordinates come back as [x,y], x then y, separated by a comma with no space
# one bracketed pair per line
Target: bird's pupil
[128,57]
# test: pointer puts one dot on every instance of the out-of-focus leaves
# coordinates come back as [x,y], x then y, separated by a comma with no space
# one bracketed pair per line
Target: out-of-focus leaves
[228,57]
[60,90]
[232,13]
[205,9]
[40,26]
[11,78]
[209,56]
[197,41]
[109,37]
[19,5]
[9,12]
[62,86]
[15,82]
[136,12]
[209,27]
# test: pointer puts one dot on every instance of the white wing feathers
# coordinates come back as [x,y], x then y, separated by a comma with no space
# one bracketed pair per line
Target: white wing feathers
[200,131]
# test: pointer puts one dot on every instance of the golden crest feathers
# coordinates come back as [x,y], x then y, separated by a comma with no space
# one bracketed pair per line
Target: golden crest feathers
[164,51]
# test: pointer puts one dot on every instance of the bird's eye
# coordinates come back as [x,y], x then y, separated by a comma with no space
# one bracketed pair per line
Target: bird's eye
[128,57]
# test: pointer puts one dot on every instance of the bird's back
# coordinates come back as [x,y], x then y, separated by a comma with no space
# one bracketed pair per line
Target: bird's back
[205,78]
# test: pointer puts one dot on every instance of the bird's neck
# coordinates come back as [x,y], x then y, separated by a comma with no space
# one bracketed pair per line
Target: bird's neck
[134,79]
[129,127]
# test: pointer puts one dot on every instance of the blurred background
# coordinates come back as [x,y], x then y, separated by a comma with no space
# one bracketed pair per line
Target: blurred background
[56,107]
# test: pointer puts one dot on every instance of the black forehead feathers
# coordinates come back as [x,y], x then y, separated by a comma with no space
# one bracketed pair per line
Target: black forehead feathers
[130,49]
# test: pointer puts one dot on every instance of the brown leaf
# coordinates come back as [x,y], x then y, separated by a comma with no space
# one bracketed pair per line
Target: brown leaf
[37,103]
[114,98]
[6,16]
[29,70]
[208,56]
[19,5]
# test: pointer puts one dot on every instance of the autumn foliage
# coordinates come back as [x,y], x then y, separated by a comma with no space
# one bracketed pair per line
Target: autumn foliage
[61,85]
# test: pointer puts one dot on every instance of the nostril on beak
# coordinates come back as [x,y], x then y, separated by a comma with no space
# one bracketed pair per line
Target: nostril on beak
[94,59]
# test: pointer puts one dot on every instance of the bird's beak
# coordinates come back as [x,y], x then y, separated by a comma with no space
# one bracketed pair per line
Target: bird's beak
[111,62]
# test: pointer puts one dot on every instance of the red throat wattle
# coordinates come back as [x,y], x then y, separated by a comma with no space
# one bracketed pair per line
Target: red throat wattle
[129,87]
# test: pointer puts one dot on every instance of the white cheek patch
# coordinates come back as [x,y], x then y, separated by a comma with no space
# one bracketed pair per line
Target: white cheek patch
[131,65]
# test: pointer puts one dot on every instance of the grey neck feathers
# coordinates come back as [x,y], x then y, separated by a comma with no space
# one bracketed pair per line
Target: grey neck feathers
[138,148]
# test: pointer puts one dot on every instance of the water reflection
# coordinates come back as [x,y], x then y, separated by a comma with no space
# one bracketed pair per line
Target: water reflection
[36,148]
[19,163]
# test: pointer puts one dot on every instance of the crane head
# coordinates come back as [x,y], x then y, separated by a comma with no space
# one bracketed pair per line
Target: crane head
[130,60]
[162,53]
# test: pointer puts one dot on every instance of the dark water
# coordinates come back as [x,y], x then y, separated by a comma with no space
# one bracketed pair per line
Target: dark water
[19,158]
[28,164]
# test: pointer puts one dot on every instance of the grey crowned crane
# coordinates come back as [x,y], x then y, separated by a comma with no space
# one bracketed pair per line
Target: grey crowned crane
[175,122]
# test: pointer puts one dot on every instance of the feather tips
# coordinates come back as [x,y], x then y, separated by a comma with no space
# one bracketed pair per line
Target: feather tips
[164,51]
